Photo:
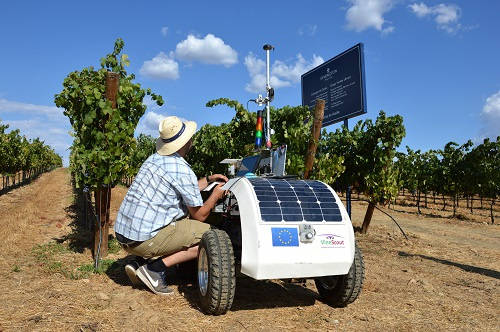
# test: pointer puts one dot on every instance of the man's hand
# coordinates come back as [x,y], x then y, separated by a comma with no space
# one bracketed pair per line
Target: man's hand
[218,177]
[218,192]
[201,212]
[203,183]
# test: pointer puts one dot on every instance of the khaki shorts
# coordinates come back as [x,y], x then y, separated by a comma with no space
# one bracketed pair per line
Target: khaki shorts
[172,238]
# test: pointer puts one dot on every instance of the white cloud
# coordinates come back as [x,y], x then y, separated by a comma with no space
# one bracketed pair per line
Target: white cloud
[161,66]
[152,120]
[7,106]
[445,16]
[294,71]
[490,116]
[209,50]
[366,14]
[282,74]
[388,30]
[164,31]
[420,9]
[149,123]
[308,30]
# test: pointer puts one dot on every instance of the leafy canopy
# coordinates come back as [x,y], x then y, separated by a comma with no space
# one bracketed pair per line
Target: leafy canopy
[103,136]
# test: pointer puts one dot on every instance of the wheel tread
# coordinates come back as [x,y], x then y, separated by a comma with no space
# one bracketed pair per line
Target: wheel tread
[348,286]
[221,281]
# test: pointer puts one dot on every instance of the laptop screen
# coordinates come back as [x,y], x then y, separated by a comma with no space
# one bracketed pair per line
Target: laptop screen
[248,164]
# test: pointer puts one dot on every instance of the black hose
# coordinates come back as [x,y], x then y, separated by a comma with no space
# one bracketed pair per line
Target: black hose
[387,214]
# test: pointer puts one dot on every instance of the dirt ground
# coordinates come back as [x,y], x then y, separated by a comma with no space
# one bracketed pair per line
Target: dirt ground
[445,277]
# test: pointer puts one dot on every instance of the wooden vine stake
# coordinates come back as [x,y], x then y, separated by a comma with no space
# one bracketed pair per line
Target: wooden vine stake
[103,194]
[319,112]
[368,217]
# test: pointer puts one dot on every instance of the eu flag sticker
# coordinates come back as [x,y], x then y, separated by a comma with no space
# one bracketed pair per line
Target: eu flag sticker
[285,237]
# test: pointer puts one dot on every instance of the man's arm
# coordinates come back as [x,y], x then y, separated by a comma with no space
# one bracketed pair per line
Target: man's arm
[202,212]
[202,183]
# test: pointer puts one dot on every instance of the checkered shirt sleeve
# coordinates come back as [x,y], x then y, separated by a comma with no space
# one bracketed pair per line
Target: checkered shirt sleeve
[159,195]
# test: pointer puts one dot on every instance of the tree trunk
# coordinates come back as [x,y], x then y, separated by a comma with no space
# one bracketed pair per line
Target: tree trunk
[418,201]
[368,217]
[471,203]
[481,199]
[101,230]
[454,205]
[444,203]
[425,197]
[491,211]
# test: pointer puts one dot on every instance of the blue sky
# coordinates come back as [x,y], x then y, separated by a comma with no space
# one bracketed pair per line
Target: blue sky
[435,63]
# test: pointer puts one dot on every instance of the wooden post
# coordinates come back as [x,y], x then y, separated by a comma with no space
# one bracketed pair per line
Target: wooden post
[102,203]
[112,82]
[368,217]
[103,194]
[319,112]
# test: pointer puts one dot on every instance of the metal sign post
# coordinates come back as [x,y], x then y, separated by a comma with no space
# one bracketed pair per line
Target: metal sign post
[348,191]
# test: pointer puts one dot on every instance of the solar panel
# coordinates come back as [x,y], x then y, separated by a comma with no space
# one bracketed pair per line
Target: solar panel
[295,200]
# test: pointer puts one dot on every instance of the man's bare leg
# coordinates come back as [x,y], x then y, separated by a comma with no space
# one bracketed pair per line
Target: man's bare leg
[181,256]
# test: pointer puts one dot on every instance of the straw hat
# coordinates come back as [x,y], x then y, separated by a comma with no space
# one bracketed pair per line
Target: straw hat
[173,135]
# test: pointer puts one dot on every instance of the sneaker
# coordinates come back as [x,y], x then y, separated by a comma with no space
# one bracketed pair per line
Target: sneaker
[131,271]
[154,280]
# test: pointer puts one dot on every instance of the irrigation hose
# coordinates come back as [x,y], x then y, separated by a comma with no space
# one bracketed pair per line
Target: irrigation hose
[387,214]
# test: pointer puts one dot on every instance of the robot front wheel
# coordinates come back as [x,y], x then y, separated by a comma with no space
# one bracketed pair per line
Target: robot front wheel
[339,291]
[216,272]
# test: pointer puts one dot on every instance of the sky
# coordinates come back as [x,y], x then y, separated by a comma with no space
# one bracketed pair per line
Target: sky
[436,63]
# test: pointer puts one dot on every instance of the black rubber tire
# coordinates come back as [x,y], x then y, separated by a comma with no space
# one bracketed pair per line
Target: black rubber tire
[339,291]
[221,285]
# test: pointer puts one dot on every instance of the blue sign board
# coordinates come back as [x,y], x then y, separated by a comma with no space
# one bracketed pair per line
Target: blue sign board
[340,82]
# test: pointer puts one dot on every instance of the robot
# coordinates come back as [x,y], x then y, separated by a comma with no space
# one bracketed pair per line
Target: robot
[276,226]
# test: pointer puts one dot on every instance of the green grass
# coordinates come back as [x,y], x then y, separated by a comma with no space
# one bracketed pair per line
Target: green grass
[105,266]
[44,252]
[114,246]
[50,257]
[16,268]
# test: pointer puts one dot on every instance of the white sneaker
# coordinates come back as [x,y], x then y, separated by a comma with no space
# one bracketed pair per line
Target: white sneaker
[131,271]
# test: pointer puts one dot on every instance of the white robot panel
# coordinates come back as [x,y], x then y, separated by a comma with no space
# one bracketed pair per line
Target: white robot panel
[292,228]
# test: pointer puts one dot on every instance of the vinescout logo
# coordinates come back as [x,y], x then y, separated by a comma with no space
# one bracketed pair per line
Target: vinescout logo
[331,241]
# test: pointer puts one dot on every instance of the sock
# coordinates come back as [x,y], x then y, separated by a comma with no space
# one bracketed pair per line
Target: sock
[157,266]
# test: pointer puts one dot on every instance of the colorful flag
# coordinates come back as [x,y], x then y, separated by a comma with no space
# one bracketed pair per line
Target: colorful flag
[285,237]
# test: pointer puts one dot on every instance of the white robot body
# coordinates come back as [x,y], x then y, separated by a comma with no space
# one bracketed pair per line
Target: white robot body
[292,228]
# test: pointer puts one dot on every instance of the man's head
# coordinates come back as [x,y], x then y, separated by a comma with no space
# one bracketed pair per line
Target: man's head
[174,135]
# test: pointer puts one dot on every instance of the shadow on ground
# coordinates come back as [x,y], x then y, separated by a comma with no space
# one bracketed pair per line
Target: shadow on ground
[80,237]
[257,294]
[465,267]
[18,184]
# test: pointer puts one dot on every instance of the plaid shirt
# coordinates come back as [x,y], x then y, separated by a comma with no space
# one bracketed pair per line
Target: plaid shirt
[159,195]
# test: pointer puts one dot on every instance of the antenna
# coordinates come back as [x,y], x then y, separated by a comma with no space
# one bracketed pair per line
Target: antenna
[260,101]
[269,96]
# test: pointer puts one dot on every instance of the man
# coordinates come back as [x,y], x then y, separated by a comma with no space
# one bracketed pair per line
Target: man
[153,217]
